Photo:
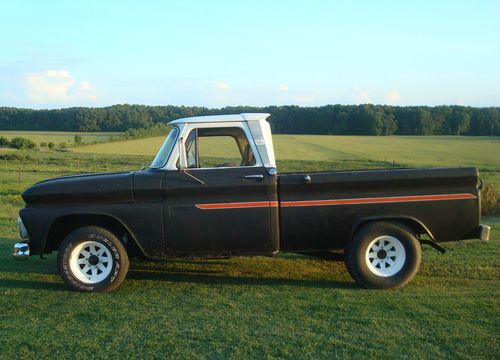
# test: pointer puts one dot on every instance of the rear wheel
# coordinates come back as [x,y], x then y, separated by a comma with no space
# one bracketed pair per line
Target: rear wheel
[92,259]
[383,255]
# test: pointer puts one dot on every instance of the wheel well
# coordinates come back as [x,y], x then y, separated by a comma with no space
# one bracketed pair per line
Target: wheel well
[412,224]
[64,225]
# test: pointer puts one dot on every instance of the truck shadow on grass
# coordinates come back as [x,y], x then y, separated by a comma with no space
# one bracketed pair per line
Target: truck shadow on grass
[41,274]
[31,284]
[288,270]
[190,277]
[169,277]
[47,268]
[35,277]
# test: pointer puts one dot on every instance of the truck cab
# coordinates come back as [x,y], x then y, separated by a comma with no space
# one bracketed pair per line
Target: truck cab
[216,164]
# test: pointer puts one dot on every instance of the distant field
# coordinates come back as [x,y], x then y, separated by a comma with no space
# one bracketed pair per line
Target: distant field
[59,136]
[148,146]
[432,150]
[481,152]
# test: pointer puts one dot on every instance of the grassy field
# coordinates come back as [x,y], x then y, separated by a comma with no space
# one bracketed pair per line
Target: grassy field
[289,306]
[59,136]
[341,151]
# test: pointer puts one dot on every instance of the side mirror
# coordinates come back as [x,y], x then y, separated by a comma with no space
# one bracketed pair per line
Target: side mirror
[182,165]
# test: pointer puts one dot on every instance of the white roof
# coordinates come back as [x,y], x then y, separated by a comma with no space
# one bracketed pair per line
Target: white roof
[221,118]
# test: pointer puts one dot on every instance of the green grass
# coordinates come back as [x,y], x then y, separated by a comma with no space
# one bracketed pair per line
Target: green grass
[59,136]
[289,306]
[284,307]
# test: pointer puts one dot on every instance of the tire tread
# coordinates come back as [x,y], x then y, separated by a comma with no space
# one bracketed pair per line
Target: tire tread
[83,233]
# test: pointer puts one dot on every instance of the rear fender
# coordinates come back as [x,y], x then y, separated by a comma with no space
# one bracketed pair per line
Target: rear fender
[415,225]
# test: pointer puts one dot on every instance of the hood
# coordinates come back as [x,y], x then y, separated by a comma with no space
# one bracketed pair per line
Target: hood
[113,187]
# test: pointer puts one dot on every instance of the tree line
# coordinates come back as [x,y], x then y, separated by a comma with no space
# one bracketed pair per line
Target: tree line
[365,119]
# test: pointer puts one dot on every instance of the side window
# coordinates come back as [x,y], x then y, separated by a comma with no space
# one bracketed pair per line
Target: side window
[219,147]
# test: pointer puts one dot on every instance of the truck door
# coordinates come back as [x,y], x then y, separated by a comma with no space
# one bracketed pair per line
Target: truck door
[221,204]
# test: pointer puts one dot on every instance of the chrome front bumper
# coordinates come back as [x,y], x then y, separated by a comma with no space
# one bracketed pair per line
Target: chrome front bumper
[483,232]
[21,251]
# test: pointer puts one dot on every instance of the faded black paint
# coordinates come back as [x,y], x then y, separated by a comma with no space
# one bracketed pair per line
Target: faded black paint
[157,208]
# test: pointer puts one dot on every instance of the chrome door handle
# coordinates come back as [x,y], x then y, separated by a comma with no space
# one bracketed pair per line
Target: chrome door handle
[253,177]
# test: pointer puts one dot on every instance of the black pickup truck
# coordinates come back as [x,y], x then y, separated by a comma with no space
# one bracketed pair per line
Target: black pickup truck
[213,191]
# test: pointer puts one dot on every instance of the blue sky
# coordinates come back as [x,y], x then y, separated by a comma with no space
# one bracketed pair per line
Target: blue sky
[218,53]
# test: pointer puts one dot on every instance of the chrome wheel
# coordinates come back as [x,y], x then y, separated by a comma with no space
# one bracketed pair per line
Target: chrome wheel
[91,262]
[385,256]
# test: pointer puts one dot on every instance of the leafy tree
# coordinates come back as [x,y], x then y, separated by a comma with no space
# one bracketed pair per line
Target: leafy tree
[458,121]
[425,124]
[365,119]
[485,122]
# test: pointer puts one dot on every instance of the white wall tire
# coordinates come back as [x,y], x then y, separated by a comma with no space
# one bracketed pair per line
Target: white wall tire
[383,255]
[92,259]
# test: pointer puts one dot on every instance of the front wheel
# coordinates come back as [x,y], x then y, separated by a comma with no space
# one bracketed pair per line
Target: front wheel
[92,259]
[383,255]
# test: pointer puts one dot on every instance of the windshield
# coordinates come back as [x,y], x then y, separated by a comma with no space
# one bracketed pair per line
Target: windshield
[162,156]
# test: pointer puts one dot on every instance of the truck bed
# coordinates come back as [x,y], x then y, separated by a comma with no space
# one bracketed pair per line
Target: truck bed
[321,210]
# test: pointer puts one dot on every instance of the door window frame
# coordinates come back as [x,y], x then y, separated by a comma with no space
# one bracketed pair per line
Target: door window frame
[195,126]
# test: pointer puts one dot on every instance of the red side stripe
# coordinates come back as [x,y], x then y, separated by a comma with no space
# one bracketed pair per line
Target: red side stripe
[391,199]
[373,200]
[237,205]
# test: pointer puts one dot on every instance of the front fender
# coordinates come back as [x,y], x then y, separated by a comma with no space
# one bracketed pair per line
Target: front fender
[142,221]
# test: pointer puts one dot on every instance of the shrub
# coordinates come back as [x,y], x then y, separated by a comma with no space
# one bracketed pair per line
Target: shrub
[43,144]
[13,156]
[77,139]
[63,145]
[4,141]
[51,145]
[490,201]
[22,143]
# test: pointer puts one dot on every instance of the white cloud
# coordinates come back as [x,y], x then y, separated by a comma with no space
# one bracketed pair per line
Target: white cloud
[221,85]
[84,86]
[284,88]
[393,97]
[362,96]
[57,86]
